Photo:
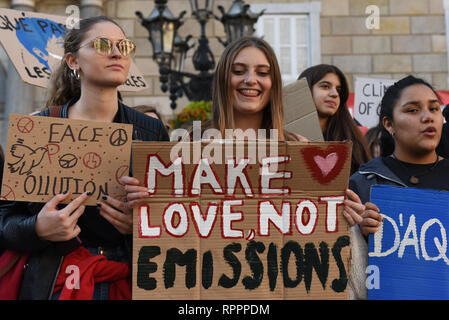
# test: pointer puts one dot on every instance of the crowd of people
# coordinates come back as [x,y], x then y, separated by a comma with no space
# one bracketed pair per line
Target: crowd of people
[404,149]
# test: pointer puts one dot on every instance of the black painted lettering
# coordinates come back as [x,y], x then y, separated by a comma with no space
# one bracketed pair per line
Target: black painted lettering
[312,261]
[339,285]
[272,268]
[289,248]
[29,73]
[145,267]
[255,264]
[207,271]
[235,264]
[176,257]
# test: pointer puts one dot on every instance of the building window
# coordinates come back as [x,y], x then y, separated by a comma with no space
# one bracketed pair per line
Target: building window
[293,30]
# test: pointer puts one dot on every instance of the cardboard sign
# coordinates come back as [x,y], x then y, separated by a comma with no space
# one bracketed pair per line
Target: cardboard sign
[233,223]
[46,156]
[408,255]
[368,96]
[34,43]
[300,115]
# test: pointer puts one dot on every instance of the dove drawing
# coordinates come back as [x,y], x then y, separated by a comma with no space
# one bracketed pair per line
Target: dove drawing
[27,158]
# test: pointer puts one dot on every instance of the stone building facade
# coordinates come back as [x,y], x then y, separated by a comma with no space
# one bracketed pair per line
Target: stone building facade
[410,38]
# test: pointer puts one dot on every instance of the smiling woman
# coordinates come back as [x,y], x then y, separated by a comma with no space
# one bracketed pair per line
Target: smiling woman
[330,93]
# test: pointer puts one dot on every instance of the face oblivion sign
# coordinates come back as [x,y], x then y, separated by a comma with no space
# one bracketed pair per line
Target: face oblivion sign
[233,227]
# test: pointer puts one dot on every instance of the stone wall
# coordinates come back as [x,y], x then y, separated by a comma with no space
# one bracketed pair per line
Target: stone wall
[411,39]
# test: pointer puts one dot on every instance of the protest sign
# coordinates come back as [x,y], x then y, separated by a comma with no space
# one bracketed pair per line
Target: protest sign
[408,254]
[34,43]
[241,224]
[45,156]
[368,94]
[300,115]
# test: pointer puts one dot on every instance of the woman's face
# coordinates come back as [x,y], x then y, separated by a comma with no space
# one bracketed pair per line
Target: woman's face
[417,121]
[102,69]
[326,95]
[250,81]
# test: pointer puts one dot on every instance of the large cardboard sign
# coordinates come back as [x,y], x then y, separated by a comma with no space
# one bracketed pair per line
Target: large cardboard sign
[408,256]
[223,221]
[300,115]
[34,43]
[368,94]
[46,156]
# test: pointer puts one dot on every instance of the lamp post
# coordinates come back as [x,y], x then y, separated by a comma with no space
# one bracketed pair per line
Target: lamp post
[170,50]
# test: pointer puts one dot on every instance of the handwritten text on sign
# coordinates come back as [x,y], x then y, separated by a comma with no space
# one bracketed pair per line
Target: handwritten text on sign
[47,156]
[34,43]
[368,95]
[410,249]
[247,231]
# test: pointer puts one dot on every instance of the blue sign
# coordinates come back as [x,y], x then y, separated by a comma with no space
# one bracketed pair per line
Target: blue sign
[408,255]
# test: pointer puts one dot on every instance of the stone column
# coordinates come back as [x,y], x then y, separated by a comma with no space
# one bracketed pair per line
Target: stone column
[19,96]
[91,8]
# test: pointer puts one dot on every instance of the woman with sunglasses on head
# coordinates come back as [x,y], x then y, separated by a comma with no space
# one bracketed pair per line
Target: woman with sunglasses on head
[96,62]
[330,93]
[411,121]
[246,97]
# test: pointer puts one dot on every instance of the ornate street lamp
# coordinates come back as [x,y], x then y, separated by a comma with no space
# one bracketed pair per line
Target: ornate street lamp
[238,21]
[169,50]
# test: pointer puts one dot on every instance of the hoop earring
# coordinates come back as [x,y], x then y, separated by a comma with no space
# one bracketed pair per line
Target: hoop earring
[75,74]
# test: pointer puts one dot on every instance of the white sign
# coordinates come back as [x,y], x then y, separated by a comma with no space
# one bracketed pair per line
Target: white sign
[368,94]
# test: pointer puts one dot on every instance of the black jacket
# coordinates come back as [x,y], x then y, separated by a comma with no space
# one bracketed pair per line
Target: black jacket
[18,219]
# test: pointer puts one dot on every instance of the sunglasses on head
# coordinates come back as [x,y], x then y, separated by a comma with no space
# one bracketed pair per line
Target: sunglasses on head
[105,46]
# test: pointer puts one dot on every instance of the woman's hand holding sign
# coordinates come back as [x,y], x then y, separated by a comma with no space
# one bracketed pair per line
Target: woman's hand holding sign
[60,225]
[366,215]
[118,213]
[135,193]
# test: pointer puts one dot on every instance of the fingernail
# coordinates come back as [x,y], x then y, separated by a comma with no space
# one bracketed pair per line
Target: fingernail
[65,192]
[89,193]
[104,197]
[99,205]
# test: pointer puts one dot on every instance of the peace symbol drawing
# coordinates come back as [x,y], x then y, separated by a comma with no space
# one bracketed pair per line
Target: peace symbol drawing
[118,138]
[68,161]
[25,125]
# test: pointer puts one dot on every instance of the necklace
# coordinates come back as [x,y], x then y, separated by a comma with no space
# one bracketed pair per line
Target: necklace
[414,179]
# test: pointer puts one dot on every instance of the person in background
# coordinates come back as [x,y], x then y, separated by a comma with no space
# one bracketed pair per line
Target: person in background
[373,138]
[411,125]
[330,93]
[152,112]
[97,57]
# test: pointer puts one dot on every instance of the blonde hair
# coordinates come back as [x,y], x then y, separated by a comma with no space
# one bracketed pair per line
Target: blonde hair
[222,99]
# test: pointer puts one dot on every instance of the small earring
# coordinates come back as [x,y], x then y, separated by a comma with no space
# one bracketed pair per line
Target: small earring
[75,74]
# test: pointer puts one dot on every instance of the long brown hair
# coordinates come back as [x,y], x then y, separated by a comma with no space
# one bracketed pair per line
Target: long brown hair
[222,99]
[63,85]
[341,126]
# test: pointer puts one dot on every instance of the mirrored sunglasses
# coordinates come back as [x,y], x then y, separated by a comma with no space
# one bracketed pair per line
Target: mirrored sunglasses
[105,46]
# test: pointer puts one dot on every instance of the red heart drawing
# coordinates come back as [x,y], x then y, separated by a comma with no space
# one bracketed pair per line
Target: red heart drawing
[325,165]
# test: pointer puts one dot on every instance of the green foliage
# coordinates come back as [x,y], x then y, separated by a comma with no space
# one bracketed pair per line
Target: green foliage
[195,110]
